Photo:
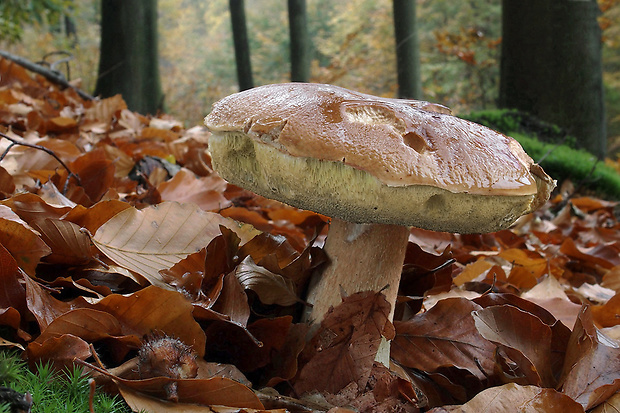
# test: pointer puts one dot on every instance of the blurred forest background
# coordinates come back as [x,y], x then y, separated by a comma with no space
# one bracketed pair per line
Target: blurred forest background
[352,45]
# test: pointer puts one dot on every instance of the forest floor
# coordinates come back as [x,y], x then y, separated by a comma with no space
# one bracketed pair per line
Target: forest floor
[122,251]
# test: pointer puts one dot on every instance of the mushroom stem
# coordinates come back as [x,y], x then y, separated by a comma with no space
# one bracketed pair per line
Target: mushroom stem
[363,257]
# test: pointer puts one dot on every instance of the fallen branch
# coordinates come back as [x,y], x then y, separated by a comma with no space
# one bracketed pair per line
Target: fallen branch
[44,149]
[50,75]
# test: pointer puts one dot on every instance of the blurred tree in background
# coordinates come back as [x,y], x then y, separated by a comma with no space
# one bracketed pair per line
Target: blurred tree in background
[299,41]
[242,46]
[129,62]
[551,66]
[351,44]
[407,51]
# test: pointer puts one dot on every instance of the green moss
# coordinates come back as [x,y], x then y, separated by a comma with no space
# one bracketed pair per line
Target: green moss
[550,147]
[509,121]
[53,391]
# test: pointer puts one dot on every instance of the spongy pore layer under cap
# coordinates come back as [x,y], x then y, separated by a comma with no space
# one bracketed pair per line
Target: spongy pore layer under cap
[368,159]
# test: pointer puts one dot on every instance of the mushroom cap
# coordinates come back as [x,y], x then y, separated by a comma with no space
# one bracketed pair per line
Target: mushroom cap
[368,159]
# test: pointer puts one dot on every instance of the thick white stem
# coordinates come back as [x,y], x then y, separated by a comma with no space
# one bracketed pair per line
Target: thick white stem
[363,257]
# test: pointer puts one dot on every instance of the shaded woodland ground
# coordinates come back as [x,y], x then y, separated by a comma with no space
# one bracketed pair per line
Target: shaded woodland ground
[134,238]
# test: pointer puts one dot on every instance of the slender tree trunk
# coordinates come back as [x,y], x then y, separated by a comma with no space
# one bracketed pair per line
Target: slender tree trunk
[407,50]
[300,44]
[129,59]
[242,47]
[551,66]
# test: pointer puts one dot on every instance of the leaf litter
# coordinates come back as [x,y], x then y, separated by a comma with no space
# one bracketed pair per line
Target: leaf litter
[133,236]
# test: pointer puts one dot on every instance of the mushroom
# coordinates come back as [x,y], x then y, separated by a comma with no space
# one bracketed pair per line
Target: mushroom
[376,166]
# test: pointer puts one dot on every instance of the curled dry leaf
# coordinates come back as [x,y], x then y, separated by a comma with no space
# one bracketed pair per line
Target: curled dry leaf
[523,337]
[155,309]
[206,192]
[61,350]
[69,244]
[22,241]
[608,314]
[344,348]
[271,288]
[12,293]
[214,391]
[515,398]
[445,335]
[592,366]
[157,237]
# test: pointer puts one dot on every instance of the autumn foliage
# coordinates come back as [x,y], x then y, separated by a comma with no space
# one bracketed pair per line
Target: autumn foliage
[134,239]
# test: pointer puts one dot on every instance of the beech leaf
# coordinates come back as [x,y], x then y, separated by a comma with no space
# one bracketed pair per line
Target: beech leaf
[523,336]
[515,398]
[271,288]
[344,348]
[157,237]
[444,336]
[22,241]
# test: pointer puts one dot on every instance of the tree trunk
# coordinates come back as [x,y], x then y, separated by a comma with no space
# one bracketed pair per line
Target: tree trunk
[407,50]
[242,47]
[551,66]
[128,62]
[300,53]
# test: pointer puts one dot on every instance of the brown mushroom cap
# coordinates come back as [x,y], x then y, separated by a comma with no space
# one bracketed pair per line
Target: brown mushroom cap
[368,159]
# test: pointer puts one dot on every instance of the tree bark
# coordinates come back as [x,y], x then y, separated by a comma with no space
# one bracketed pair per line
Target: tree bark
[300,44]
[128,62]
[551,66]
[407,49]
[242,47]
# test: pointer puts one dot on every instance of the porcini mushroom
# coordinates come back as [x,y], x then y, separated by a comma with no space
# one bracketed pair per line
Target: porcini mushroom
[376,166]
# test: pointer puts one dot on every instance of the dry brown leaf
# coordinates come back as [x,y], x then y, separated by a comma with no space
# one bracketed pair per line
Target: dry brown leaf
[523,337]
[344,348]
[233,302]
[472,271]
[611,405]
[213,391]
[514,398]
[30,207]
[7,183]
[155,309]
[592,366]
[206,192]
[69,244]
[444,336]
[608,314]
[61,351]
[95,216]
[90,325]
[612,279]
[23,242]
[157,237]
[12,293]
[271,288]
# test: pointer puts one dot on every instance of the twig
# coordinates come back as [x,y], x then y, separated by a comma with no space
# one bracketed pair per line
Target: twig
[50,75]
[44,149]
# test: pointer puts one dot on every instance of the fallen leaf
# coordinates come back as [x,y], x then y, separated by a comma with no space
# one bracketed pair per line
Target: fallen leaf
[271,288]
[68,243]
[154,309]
[608,314]
[591,371]
[21,240]
[157,237]
[206,192]
[523,337]
[514,398]
[445,335]
[344,348]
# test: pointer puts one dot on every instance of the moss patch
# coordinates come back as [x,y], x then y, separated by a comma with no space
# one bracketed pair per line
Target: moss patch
[548,145]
